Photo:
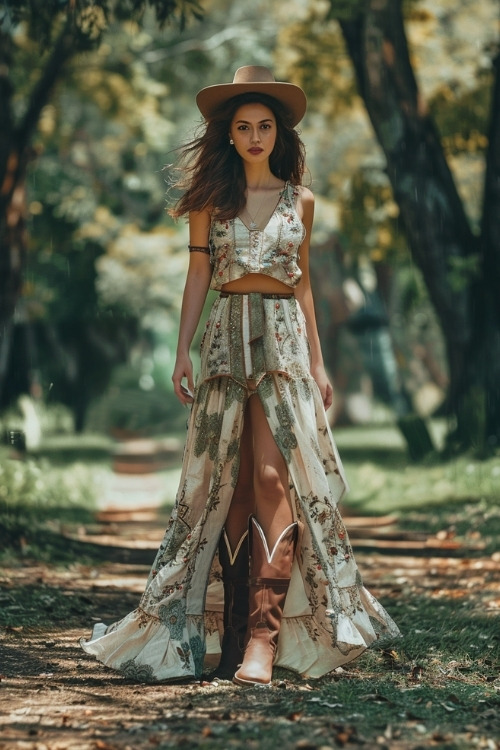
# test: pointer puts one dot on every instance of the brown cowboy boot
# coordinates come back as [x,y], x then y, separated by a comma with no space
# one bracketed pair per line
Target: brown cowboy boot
[235,582]
[269,581]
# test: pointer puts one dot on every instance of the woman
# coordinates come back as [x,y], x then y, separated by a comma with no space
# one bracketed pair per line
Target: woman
[255,520]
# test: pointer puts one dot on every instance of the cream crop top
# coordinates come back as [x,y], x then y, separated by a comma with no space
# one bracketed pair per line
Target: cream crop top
[236,250]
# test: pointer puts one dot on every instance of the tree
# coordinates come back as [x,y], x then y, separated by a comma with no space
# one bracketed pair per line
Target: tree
[57,31]
[64,333]
[460,266]
[104,264]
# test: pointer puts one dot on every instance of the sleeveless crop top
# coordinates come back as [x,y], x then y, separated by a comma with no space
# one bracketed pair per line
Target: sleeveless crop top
[236,250]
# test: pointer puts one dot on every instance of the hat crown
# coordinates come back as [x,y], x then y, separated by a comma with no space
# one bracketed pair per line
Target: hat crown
[254,79]
[253,74]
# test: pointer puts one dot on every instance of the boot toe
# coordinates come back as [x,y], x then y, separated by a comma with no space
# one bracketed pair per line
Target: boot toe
[257,667]
[249,679]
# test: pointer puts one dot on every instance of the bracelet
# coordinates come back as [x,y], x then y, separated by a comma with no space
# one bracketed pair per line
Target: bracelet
[198,249]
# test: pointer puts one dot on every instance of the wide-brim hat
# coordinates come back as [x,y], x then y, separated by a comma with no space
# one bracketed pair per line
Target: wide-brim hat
[253,79]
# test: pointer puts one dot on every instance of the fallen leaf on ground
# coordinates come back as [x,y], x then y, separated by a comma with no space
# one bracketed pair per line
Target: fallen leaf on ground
[102,745]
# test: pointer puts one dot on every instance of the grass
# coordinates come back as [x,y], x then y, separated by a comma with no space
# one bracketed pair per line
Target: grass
[438,686]
[382,480]
[458,496]
[38,499]
[440,632]
[41,606]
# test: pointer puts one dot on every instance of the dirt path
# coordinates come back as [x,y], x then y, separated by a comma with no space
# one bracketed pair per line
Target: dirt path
[53,696]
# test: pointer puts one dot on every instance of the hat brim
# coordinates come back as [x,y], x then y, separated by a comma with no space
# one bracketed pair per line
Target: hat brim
[292,97]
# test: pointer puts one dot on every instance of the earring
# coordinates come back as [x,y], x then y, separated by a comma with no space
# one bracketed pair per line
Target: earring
[231,142]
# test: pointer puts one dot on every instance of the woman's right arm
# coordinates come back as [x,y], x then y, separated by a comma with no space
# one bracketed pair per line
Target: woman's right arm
[195,292]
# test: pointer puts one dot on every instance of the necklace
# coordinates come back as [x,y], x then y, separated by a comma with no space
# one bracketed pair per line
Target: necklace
[253,219]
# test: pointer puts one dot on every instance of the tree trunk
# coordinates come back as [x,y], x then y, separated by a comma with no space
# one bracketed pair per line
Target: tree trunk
[15,154]
[12,251]
[431,210]
[11,200]
[486,295]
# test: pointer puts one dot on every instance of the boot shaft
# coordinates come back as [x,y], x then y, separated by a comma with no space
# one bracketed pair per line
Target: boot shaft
[235,582]
[235,569]
[274,564]
[270,573]
[234,564]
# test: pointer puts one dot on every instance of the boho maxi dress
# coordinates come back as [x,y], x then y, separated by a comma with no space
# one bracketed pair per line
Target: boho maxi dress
[329,617]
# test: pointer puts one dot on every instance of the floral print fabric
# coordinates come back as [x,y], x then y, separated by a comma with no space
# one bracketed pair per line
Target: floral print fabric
[236,250]
[329,617]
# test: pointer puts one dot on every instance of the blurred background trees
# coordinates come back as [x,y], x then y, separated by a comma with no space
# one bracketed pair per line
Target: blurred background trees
[460,267]
[455,245]
[94,100]
[81,137]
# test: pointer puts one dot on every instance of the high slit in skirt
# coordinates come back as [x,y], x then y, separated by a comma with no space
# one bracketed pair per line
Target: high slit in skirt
[329,617]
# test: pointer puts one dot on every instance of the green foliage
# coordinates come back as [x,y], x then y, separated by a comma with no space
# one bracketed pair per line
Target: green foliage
[137,404]
[382,480]
[89,18]
[163,9]
[369,219]
[32,492]
[412,290]
[99,150]
[346,10]
[312,54]
[463,271]
[35,488]
[462,117]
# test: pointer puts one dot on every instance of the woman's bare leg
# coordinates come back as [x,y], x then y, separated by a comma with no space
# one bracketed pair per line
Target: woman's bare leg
[270,477]
[271,557]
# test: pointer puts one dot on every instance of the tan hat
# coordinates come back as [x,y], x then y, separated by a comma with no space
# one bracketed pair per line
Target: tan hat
[250,79]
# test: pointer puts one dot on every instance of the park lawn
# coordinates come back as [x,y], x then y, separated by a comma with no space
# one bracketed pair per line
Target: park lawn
[457,498]
[461,495]
[438,686]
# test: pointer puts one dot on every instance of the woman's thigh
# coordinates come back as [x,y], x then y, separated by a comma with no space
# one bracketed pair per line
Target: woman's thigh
[244,484]
[272,494]
[269,467]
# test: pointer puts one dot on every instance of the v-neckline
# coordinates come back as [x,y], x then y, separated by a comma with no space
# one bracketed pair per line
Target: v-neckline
[282,192]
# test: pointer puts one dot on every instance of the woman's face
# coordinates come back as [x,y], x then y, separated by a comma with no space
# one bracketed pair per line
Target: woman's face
[253,130]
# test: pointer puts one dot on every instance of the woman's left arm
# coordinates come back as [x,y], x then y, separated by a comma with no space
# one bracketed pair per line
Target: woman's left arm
[303,292]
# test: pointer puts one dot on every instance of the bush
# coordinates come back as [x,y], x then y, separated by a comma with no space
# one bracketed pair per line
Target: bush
[33,492]
[136,404]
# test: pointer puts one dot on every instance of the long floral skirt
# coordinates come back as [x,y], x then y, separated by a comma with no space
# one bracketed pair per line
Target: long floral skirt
[329,617]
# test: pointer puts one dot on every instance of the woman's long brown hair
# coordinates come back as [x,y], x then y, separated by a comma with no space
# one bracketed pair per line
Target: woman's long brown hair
[214,177]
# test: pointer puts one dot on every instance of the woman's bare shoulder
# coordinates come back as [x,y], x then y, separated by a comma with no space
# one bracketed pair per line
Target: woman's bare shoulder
[305,202]
[306,195]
